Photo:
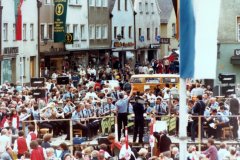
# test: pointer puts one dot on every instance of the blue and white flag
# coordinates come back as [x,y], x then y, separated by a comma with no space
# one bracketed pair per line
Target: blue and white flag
[199,21]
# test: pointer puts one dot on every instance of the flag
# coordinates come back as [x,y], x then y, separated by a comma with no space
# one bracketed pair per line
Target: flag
[18,19]
[198,38]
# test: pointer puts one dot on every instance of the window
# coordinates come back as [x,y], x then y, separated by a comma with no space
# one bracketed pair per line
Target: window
[68,28]
[24,32]
[98,32]
[119,5]
[104,3]
[42,32]
[238,29]
[75,32]
[148,33]
[104,32]
[139,33]
[122,32]
[98,3]
[152,8]
[140,7]
[130,31]
[156,32]
[50,32]
[83,32]
[23,63]
[77,1]
[173,30]
[31,32]
[5,31]
[146,7]
[14,32]
[115,32]
[48,2]
[91,2]
[91,32]
[126,5]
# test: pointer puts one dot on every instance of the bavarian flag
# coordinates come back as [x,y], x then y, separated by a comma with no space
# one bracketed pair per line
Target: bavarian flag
[198,38]
[18,14]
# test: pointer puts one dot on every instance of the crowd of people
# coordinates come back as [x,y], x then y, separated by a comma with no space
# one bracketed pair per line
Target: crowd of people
[88,98]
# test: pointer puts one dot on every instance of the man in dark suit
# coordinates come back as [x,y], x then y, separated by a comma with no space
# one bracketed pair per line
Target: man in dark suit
[163,142]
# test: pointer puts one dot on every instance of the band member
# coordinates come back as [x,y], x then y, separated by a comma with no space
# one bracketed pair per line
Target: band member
[68,109]
[160,108]
[109,108]
[78,120]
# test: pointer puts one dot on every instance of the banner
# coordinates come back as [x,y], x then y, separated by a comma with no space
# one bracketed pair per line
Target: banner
[60,13]
[18,15]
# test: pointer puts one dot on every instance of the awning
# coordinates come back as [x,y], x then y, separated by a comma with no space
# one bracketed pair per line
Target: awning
[63,53]
[8,56]
[235,60]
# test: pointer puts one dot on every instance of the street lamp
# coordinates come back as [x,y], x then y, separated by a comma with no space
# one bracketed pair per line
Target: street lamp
[218,49]
[119,37]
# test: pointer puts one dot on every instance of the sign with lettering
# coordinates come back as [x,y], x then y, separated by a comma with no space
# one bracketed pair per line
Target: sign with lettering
[154,46]
[11,50]
[107,123]
[124,44]
[60,12]
[165,41]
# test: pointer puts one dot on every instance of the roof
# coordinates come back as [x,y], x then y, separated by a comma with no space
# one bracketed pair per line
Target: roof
[166,8]
[111,4]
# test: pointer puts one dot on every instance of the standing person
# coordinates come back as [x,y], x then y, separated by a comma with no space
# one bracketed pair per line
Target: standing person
[211,152]
[20,145]
[64,149]
[122,112]
[36,153]
[163,142]
[198,110]
[5,141]
[138,110]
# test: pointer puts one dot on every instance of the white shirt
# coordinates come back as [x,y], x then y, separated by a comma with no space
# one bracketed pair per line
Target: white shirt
[93,95]
[222,153]
[151,98]
[5,142]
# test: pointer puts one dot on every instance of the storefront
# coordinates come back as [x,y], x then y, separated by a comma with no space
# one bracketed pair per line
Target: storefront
[56,60]
[8,64]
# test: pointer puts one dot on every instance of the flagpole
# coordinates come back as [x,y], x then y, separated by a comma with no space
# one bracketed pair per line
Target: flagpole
[183,120]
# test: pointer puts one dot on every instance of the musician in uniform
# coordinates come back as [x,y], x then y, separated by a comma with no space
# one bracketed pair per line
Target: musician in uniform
[109,108]
[160,107]
[68,109]
[78,120]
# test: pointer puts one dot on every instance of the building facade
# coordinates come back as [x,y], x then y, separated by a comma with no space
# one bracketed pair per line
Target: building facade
[99,26]
[147,30]
[19,58]
[168,27]
[229,39]
[123,29]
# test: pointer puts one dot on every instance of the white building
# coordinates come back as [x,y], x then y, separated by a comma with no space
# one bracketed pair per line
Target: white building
[77,23]
[19,57]
[147,30]
[123,30]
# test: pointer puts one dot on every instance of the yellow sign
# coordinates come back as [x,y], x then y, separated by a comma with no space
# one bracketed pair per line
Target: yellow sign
[59,9]
[69,38]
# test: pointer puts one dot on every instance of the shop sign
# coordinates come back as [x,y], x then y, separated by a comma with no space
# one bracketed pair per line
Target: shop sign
[165,41]
[124,44]
[11,50]
[56,50]
[154,46]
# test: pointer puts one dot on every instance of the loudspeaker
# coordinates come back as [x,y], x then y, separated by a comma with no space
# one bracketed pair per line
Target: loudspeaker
[227,78]
[102,140]
[62,80]
[228,90]
[38,93]
[37,82]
